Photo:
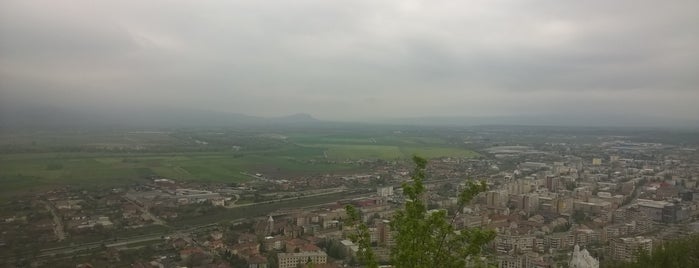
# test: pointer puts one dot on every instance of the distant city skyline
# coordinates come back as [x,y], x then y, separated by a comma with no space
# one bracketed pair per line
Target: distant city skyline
[596,62]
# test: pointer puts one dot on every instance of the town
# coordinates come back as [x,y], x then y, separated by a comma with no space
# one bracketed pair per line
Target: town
[552,204]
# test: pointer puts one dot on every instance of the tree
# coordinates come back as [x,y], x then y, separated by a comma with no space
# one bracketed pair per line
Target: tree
[362,237]
[272,259]
[309,262]
[234,260]
[427,240]
[579,216]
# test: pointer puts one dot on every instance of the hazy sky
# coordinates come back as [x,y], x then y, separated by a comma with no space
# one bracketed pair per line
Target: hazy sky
[356,59]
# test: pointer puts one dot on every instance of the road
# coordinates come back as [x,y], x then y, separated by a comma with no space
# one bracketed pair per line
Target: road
[145,211]
[57,222]
[232,204]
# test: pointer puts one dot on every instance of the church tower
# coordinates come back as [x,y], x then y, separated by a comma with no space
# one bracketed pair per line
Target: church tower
[270,225]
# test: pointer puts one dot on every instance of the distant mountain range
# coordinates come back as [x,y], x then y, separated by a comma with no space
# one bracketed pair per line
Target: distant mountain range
[549,120]
[40,117]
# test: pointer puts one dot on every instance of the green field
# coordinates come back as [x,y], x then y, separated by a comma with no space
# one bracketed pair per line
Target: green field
[23,171]
[338,147]
[389,152]
[46,160]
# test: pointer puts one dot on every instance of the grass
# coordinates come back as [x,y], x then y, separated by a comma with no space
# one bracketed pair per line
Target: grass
[20,171]
[434,152]
[390,152]
[390,147]
[337,151]
[296,154]
[209,166]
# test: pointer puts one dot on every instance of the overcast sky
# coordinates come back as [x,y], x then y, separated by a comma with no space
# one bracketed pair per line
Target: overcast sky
[356,59]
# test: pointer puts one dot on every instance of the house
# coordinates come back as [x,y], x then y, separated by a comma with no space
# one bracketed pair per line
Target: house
[257,261]
[188,252]
[247,237]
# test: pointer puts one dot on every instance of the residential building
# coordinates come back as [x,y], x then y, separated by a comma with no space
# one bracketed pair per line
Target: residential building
[626,249]
[292,260]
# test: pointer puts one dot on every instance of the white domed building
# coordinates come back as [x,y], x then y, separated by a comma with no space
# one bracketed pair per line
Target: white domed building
[582,259]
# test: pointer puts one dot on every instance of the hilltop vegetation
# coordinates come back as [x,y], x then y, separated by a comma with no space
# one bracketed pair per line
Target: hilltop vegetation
[425,239]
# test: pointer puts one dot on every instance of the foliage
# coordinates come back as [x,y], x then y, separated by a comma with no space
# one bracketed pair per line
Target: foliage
[361,236]
[333,248]
[234,260]
[428,239]
[683,252]
[272,260]
[562,228]
[580,217]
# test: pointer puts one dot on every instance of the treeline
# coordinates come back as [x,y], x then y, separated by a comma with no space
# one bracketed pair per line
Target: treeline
[680,253]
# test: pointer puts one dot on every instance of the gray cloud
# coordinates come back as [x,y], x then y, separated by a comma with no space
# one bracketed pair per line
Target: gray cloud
[356,59]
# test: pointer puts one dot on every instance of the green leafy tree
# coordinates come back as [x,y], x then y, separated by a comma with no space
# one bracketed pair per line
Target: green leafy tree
[362,237]
[579,216]
[427,239]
